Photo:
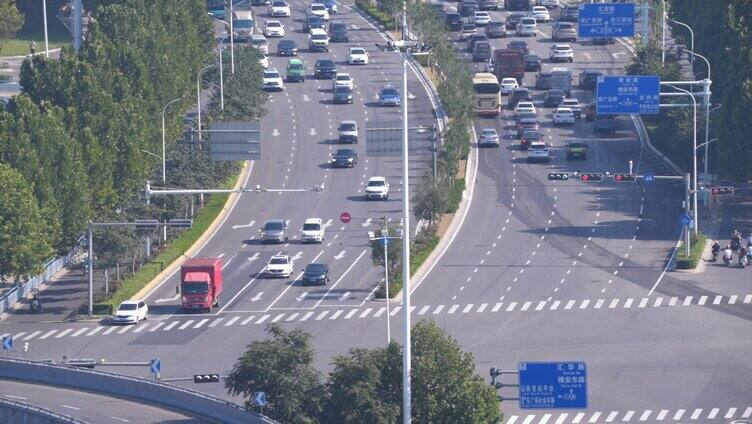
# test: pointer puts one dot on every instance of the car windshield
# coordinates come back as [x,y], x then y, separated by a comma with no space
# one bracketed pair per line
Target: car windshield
[376,183]
[315,269]
[278,261]
[357,51]
[562,48]
[195,288]
[127,307]
[337,26]
[539,146]
[468,27]
[564,111]
[325,64]
[343,77]
[347,127]
[495,24]
[274,226]
[279,4]
[287,44]
[389,92]
[343,153]
[342,89]
[319,37]
[259,41]
[576,144]
[272,24]
[566,26]
[242,24]
[532,135]
[295,66]
[311,227]
[318,7]
[571,102]
[509,81]
[271,74]
[555,93]
[489,133]
[528,21]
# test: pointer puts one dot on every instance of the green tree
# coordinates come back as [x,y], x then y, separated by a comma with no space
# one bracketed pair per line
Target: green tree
[429,200]
[22,228]
[395,253]
[281,366]
[244,97]
[11,20]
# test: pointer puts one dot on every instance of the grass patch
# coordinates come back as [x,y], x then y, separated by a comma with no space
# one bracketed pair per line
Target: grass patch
[373,11]
[174,250]
[455,195]
[18,45]
[697,245]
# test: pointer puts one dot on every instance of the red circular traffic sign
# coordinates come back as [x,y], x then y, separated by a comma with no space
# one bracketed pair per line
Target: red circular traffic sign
[345,217]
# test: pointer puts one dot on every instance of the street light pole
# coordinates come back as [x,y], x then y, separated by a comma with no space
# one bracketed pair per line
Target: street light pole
[691,41]
[663,32]
[407,348]
[707,134]
[232,41]
[46,39]
[706,99]
[386,280]
[90,265]
[198,98]
[694,155]
[164,160]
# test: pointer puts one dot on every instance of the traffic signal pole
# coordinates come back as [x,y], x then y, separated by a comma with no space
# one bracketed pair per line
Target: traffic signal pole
[687,191]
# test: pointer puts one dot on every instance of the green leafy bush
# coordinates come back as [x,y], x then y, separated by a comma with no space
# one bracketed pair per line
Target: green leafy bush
[697,245]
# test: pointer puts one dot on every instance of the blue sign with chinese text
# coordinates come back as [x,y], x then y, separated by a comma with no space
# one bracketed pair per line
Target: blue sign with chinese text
[553,385]
[599,20]
[628,94]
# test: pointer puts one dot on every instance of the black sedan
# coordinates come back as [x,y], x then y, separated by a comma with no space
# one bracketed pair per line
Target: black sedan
[316,273]
[313,22]
[324,68]
[344,158]
[553,97]
[338,31]
[342,94]
[287,48]
[518,45]
[532,62]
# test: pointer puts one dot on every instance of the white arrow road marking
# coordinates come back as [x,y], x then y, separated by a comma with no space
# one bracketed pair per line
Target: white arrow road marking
[312,131]
[306,98]
[287,222]
[275,132]
[328,223]
[176,297]
[345,296]
[367,223]
[339,255]
[354,26]
[618,54]
[302,296]
[297,256]
[254,257]
[250,224]
[257,297]
[410,95]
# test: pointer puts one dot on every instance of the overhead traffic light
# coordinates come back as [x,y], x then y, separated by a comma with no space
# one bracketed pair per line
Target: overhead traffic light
[625,178]
[591,177]
[206,378]
[558,176]
[722,191]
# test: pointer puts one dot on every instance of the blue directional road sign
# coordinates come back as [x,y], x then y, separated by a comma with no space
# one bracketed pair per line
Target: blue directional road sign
[155,365]
[553,385]
[685,220]
[607,20]
[7,343]
[628,94]
[384,241]
[648,178]
[259,398]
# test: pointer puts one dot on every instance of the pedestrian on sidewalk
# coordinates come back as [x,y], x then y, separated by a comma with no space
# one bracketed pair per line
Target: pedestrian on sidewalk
[33,47]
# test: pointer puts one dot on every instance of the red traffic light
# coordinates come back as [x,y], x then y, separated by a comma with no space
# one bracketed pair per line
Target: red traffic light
[588,177]
[625,178]
[585,177]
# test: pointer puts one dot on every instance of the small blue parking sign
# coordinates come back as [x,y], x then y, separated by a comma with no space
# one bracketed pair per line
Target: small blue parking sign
[648,178]
[7,342]
[685,220]
[552,385]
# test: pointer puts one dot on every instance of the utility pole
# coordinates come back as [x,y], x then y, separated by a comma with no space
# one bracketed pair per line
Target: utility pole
[46,39]
[687,190]
[78,24]
[385,238]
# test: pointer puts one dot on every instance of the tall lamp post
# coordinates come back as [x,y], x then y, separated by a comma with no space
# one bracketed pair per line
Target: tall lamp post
[706,99]
[46,39]
[663,31]
[232,42]
[694,155]
[164,158]
[691,40]
[706,143]
[198,98]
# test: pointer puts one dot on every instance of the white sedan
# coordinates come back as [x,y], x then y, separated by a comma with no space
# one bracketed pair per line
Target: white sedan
[541,14]
[273,28]
[564,116]
[561,53]
[343,79]
[357,56]
[481,18]
[279,266]
[278,8]
[272,80]
[489,137]
[131,312]
[320,10]
[508,84]
[524,107]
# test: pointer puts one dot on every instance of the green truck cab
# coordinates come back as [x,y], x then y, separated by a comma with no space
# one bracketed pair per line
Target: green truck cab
[576,149]
[295,70]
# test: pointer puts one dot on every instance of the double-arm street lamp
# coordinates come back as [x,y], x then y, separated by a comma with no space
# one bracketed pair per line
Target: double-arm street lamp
[694,154]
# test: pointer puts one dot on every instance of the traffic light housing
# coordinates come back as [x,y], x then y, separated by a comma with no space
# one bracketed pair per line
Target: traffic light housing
[625,178]
[206,378]
[722,191]
[558,176]
[591,177]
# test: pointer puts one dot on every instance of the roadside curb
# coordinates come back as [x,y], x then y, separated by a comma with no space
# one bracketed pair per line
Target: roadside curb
[229,205]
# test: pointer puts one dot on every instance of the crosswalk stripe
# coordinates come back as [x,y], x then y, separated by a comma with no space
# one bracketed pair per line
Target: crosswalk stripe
[613,303]
[687,300]
[247,320]
[216,322]
[482,307]
[747,412]
[672,301]
[645,415]
[748,298]
[336,314]
[379,312]
[562,418]
[151,330]
[81,330]
[544,419]
[732,299]
[713,413]
[584,303]
[695,415]
[611,416]
[511,306]
[628,303]
[496,307]
[628,416]
[452,309]
[4,335]
[555,305]
[186,324]
[643,302]
[679,414]
[512,419]
[528,419]
[540,306]
[438,309]
[569,304]
[32,335]
[702,300]
[526,306]
[661,415]
[594,417]
[577,418]
[718,299]
[322,315]
[412,309]
[123,330]
[19,335]
[468,307]
[658,302]
[394,311]
[306,316]
[730,413]
[423,310]
[201,323]
[49,333]
[278,317]
[350,314]
[599,303]
[291,317]
[171,325]
[141,328]
[231,321]
[262,319]
[365,313]
[95,331]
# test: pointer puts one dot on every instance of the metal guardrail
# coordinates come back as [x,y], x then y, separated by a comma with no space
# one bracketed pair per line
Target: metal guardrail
[29,409]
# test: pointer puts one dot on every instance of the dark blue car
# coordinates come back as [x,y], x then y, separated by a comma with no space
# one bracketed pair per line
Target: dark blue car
[389,96]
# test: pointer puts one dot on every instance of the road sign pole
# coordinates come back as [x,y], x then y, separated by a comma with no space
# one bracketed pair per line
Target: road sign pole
[90,266]
[386,280]
[687,190]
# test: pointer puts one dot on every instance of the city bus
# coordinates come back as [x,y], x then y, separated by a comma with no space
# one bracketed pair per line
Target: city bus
[487,94]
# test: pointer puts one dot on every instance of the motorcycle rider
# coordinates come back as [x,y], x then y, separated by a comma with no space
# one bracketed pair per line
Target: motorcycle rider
[727,254]
[736,239]
[715,250]
[742,256]
[749,240]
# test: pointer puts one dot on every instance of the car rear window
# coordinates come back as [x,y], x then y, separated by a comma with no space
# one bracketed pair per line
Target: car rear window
[347,127]
[311,227]
[274,226]
[127,307]
[278,261]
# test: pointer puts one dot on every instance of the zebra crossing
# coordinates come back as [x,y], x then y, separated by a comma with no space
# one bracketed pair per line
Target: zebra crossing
[357,313]
[696,415]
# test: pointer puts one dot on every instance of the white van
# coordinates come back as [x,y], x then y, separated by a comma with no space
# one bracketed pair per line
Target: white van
[243,24]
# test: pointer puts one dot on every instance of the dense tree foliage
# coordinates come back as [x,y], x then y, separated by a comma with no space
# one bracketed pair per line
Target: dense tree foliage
[365,385]
[11,20]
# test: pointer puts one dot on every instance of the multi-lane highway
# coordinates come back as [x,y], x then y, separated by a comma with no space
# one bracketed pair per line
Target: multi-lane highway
[539,270]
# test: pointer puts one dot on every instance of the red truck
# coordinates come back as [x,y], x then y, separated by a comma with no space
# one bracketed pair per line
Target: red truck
[509,64]
[200,283]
